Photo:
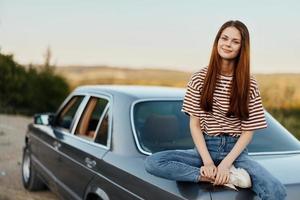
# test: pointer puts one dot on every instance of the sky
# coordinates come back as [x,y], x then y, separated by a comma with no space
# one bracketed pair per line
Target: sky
[170,34]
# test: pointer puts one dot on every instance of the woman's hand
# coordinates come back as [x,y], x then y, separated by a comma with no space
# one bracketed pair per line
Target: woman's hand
[222,173]
[223,168]
[209,171]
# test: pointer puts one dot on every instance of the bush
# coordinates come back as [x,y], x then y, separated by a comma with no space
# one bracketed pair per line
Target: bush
[29,91]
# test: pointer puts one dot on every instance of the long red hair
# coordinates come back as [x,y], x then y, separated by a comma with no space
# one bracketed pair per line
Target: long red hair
[239,95]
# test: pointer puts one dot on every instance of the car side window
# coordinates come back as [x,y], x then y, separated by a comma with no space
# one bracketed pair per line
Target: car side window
[102,133]
[89,120]
[66,116]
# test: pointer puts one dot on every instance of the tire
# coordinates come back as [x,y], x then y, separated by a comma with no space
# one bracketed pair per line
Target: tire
[30,179]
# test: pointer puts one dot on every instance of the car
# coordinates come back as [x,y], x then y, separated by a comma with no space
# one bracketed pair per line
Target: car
[95,145]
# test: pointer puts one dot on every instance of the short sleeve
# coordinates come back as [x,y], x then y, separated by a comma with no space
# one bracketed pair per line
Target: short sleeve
[191,102]
[256,118]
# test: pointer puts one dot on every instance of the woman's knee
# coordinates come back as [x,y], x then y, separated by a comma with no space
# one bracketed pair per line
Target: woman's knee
[152,162]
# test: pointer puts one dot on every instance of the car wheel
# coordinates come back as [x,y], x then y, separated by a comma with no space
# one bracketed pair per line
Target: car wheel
[30,179]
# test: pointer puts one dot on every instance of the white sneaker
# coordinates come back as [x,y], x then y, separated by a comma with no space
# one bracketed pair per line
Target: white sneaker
[238,177]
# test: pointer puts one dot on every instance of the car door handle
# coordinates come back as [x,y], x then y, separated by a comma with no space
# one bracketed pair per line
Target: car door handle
[90,163]
[56,145]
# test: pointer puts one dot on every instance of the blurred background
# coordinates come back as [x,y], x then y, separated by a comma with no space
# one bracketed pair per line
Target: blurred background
[47,48]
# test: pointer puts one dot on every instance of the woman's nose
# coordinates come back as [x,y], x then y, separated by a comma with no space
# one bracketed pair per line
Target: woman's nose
[228,43]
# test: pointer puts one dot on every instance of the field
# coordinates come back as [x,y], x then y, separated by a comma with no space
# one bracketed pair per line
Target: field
[280,92]
[112,75]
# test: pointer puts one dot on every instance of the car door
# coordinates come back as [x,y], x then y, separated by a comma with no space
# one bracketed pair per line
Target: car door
[47,151]
[83,148]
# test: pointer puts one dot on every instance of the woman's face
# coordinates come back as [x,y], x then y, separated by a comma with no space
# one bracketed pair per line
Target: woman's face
[229,43]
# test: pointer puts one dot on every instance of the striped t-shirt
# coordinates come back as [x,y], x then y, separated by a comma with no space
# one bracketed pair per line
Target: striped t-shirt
[216,122]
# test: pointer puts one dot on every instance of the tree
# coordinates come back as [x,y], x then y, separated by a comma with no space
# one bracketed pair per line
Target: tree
[29,91]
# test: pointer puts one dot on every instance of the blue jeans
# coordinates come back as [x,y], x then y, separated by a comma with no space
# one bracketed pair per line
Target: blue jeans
[184,165]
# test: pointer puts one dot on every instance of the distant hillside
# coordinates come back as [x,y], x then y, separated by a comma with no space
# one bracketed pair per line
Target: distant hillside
[113,75]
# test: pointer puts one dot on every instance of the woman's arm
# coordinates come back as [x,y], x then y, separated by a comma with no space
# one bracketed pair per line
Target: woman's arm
[209,169]
[240,145]
[223,168]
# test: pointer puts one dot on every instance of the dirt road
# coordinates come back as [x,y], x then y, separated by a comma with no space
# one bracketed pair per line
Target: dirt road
[12,131]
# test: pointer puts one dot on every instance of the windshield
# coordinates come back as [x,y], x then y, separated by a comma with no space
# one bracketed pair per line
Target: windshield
[160,125]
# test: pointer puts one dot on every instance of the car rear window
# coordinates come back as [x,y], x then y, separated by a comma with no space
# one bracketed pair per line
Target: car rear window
[160,125]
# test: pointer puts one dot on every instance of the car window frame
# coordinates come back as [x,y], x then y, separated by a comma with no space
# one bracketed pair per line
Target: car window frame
[108,110]
[141,150]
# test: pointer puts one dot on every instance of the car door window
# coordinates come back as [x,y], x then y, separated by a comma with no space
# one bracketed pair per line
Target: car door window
[102,133]
[66,116]
[89,120]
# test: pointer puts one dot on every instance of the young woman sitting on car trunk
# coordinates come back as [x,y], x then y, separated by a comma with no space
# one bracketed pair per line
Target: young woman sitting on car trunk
[224,105]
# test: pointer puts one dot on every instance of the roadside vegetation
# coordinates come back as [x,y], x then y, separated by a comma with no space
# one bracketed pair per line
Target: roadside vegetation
[29,90]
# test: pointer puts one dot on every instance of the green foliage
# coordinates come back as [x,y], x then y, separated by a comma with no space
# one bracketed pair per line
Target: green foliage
[29,91]
[289,118]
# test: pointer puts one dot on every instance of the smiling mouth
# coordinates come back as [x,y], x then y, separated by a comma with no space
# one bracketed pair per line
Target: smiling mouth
[227,51]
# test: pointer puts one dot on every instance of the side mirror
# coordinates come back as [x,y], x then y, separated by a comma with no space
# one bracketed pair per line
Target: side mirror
[44,119]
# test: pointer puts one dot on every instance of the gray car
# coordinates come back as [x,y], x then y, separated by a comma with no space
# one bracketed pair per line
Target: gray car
[95,145]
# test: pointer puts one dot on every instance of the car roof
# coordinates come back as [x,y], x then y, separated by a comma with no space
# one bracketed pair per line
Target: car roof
[137,91]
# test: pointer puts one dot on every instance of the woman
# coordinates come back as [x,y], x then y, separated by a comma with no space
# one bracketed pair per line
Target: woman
[224,106]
